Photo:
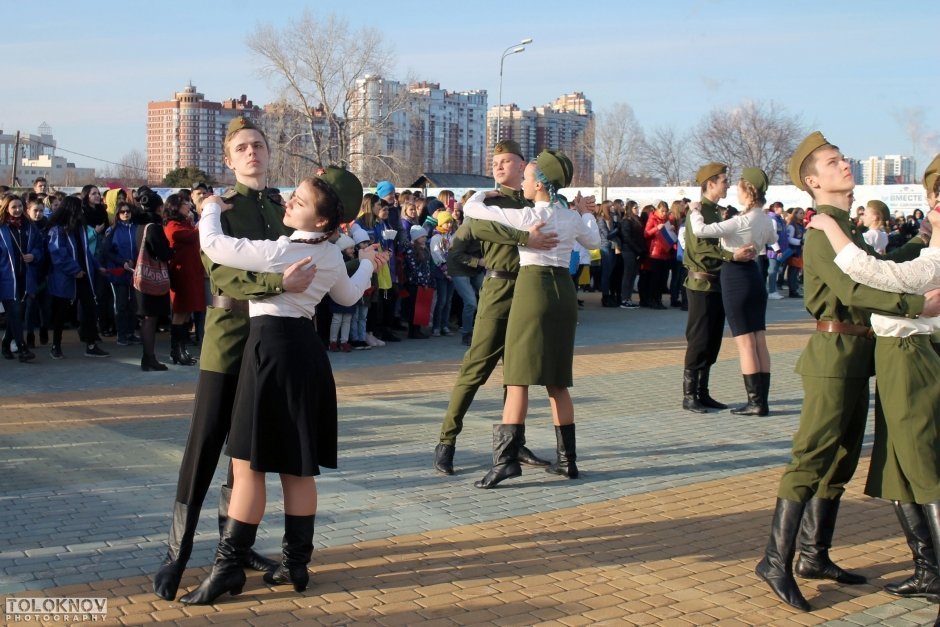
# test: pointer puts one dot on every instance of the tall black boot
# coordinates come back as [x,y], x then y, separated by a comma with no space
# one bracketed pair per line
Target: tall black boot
[703,396]
[690,392]
[180,541]
[776,566]
[756,406]
[297,546]
[765,392]
[925,582]
[567,455]
[444,458]
[251,560]
[506,439]
[819,523]
[179,335]
[227,574]
[932,517]
[527,457]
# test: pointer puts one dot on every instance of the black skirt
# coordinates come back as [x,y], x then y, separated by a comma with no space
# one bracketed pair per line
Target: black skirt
[744,297]
[284,419]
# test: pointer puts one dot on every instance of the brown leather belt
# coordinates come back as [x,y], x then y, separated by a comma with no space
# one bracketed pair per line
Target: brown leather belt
[703,276]
[502,274]
[232,304]
[858,330]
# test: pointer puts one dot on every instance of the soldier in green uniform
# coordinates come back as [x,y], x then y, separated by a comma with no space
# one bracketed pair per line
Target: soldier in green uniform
[835,368]
[705,324]
[501,259]
[256,216]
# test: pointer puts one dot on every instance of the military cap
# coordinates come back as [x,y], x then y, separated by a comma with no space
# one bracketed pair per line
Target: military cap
[709,170]
[555,167]
[757,178]
[240,124]
[348,189]
[813,141]
[510,146]
[932,174]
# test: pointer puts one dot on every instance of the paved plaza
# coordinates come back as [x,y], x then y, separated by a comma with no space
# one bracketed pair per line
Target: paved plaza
[665,525]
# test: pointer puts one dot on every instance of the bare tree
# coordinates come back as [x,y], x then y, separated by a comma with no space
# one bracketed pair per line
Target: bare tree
[923,140]
[755,134]
[132,170]
[319,62]
[665,156]
[617,144]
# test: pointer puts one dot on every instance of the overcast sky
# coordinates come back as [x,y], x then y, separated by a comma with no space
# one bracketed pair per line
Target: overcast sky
[861,72]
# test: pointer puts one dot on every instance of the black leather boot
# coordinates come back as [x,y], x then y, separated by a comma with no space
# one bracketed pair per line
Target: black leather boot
[703,396]
[819,523]
[690,392]
[227,574]
[765,392]
[925,582]
[527,457]
[567,455]
[297,546]
[753,383]
[776,566]
[252,560]
[180,541]
[444,458]
[506,439]
[179,335]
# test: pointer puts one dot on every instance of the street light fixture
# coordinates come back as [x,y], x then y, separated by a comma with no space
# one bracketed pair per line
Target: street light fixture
[513,49]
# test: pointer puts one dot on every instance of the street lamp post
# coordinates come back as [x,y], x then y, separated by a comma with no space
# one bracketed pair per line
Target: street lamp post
[514,49]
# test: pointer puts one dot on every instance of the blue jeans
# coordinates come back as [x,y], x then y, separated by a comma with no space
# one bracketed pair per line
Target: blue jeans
[467,288]
[444,291]
[357,328]
[773,270]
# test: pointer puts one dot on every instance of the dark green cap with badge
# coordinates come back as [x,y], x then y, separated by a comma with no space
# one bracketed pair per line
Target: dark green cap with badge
[813,141]
[510,146]
[932,174]
[757,178]
[240,124]
[348,189]
[556,167]
[709,170]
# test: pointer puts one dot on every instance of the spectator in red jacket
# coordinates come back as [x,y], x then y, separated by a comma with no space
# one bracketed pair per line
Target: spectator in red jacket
[660,234]
[187,293]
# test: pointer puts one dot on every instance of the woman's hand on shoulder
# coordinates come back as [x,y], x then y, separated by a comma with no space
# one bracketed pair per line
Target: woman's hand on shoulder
[820,222]
[219,201]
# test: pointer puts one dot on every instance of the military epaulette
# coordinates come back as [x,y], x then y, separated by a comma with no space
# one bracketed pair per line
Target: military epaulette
[230,194]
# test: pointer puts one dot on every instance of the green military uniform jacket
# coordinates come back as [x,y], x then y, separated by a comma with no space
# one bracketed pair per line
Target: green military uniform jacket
[254,216]
[704,254]
[499,244]
[463,258]
[830,294]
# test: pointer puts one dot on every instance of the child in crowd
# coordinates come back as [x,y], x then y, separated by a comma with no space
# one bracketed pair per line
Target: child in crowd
[417,275]
[342,314]
[443,284]
[358,338]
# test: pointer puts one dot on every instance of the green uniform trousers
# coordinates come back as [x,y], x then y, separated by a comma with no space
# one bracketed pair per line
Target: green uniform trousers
[486,348]
[905,459]
[828,442]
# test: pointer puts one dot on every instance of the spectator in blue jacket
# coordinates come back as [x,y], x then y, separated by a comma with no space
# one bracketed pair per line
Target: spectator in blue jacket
[20,249]
[120,258]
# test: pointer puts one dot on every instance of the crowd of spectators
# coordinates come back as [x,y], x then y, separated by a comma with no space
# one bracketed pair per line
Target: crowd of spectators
[66,262]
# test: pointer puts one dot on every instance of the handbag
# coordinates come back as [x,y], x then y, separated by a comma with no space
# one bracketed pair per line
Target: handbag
[151,276]
[795,262]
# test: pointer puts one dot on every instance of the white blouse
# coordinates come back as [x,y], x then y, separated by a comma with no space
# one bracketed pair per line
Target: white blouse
[566,223]
[910,277]
[752,227]
[276,256]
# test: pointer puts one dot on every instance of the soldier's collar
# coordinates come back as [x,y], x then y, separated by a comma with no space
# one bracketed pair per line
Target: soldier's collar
[839,215]
[244,190]
[515,194]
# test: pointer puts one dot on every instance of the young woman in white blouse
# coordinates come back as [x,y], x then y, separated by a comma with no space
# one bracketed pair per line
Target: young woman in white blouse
[284,415]
[543,317]
[742,285]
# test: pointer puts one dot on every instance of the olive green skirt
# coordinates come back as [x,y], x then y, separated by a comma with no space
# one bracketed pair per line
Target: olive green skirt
[541,328]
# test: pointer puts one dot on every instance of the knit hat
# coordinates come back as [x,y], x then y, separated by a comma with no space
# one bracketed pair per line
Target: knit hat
[344,242]
[359,234]
[417,231]
[443,219]
[384,188]
[434,205]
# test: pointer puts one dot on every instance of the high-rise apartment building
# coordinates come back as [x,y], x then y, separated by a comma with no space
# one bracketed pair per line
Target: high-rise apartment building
[416,128]
[189,131]
[566,124]
[889,170]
